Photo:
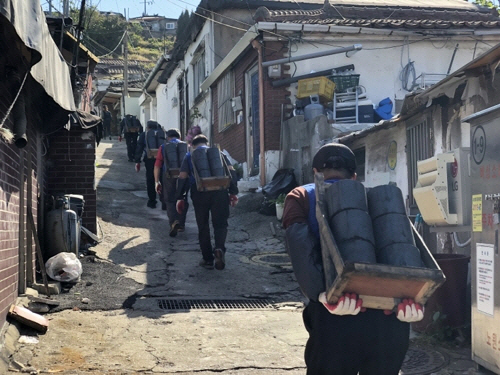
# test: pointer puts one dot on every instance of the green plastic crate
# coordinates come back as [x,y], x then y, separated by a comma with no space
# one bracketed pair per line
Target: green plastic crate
[343,82]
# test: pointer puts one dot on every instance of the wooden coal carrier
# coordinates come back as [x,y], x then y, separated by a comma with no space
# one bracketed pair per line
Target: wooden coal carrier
[381,286]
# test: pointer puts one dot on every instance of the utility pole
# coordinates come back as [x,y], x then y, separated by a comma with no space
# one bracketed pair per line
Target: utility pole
[66,8]
[74,68]
[125,68]
[146,2]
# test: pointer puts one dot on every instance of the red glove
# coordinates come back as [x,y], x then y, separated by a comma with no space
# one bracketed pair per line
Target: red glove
[119,138]
[410,311]
[348,304]
[158,187]
[233,200]
[180,206]
[137,167]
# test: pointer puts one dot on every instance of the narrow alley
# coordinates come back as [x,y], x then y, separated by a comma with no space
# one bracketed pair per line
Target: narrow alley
[144,306]
[138,269]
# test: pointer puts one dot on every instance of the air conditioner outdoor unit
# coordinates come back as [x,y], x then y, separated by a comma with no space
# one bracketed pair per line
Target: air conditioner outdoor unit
[443,192]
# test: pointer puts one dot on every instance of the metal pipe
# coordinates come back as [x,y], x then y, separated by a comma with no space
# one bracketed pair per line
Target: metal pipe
[262,169]
[354,47]
[287,81]
[452,58]
[20,122]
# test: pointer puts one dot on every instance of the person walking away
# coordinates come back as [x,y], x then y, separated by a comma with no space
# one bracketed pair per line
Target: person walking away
[130,128]
[106,121]
[147,148]
[166,185]
[214,204]
[344,338]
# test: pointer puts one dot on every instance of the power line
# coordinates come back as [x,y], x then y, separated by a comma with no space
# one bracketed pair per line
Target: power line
[110,51]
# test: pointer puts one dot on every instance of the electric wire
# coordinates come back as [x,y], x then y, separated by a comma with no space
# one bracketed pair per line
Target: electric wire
[408,70]
[110,51]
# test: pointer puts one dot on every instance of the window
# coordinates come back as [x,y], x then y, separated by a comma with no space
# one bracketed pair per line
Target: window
[419,146]
[225,92]
[198,73]
[170,26]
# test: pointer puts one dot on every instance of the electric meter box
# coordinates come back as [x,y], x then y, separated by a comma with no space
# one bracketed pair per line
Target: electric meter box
[443,189]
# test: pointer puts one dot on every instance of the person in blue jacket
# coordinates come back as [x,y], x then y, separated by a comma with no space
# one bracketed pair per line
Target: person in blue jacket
[214,204]
[344,338]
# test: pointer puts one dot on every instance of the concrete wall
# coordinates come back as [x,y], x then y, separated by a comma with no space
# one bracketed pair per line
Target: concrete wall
[382,58]
[132,105]
[301,140]
[227,37]
[169,102]
[377,168]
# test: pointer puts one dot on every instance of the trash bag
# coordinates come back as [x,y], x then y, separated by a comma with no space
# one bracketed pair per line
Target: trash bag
[64,267]
[384,110]
[267,208]
[282,183]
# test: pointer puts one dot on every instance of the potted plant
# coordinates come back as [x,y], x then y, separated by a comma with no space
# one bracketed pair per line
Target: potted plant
[280,203]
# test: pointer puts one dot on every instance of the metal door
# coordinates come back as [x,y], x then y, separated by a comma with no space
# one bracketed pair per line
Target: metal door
[485,261]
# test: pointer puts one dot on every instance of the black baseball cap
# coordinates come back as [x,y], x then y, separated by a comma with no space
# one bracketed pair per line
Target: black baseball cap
[335,156]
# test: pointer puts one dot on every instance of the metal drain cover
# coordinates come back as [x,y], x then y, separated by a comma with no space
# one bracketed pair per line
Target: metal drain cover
[423,361]
[215,305]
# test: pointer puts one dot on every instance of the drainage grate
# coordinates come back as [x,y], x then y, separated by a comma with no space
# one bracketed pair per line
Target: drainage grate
[219,304]
[422,361]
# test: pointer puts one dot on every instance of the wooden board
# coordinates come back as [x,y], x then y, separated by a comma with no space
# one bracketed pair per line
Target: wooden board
[173,172]
[212,183]
[380,286]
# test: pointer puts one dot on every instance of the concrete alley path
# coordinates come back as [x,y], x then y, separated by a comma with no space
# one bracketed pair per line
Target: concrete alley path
[113,320]
[122,330]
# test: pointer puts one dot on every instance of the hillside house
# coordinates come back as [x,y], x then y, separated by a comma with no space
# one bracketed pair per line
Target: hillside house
[394,48]
[214,28]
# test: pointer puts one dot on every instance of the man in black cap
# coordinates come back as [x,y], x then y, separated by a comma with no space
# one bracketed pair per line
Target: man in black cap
[214,204]
[130,128]
[344,338]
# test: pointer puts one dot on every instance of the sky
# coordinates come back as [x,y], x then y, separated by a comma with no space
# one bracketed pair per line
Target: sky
[135,8]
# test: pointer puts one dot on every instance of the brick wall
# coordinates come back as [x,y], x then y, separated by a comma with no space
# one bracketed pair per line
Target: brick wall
[71,169]
[17,179]
[15,175]
[233,138]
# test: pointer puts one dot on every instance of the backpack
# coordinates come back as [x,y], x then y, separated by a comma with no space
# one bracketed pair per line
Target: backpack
[154,138]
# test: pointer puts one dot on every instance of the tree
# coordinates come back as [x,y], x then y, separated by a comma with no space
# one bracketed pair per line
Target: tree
[102,34]
[486,3]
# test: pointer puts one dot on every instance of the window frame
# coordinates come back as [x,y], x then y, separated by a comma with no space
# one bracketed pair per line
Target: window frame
[225,93]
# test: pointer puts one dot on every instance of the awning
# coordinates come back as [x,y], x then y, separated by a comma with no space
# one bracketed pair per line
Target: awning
[88,121]
[49,67]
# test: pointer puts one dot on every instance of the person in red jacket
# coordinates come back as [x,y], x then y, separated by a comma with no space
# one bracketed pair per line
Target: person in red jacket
[166,186]
[344,338]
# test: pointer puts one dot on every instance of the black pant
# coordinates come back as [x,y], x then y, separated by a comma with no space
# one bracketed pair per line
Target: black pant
[131,140]
[370,343]
[106,129]
[150,179]
[168,197]
[216,204]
